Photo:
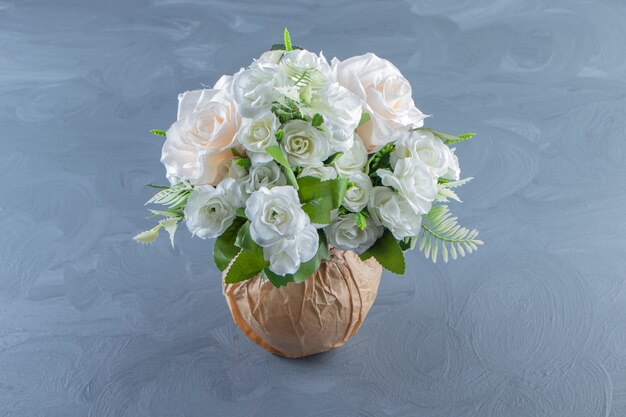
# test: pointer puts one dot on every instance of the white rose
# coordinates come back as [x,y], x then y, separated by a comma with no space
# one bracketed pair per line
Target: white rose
[285,257]
[343,233]
[357,196]
[341,111]
[257,134]
[275,215]
[264,175]
[322,172]
[412,179]
[304,145]
[424,146]
[392,210]
[199,142]
[305,67]
[386,95]
[254,89]
[282,228]
[353,160]
[210,211]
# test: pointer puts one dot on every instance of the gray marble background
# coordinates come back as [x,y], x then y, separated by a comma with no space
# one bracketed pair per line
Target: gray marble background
[92,324]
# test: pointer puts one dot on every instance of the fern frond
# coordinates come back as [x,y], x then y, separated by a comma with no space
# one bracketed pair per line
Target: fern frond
[442,234]
[174,197]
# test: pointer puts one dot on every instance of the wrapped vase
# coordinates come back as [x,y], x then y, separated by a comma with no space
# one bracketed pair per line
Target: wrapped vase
[301,319]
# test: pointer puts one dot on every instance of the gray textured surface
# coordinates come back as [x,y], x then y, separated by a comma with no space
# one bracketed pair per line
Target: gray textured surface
[92,324]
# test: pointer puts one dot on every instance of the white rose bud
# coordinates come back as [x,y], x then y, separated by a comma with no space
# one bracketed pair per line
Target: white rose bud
[353,160]
[322,172]
[392,210]
[343,233]
[282,228]
[357,196]
[424,146]
[257,134]
[199,142]
[264,175]
[210,211]
[386,95]
[413,180]
[305,145]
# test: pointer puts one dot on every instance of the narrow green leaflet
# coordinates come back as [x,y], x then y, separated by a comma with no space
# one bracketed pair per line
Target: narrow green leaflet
[449,139]
[158,132]
[246,265]
[281,159]
[319,197]
[360,220]
[224,249]
[288,46]
[333,158]
[388,253]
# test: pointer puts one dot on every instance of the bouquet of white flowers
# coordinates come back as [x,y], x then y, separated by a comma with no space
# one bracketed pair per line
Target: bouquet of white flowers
[293,154]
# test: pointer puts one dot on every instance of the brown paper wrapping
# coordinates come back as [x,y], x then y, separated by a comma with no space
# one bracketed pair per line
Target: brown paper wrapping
[301,319]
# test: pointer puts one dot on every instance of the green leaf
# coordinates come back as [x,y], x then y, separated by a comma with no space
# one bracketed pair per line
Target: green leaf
[158,132]
[319,197]
[244,162]
[317,120]
[365,117]
[280,134]
[246,265]
[288,46]
[224,249]
[244,240]
[160,187]
[278,47]
[275,279]
[236,153]
[388,253]
[278,155]
[241,212]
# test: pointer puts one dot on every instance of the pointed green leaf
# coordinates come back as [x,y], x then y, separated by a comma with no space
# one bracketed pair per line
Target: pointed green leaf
[158,132]
[388,253]
[224,249]
[288,46]
[246,265]
[319,197]
[278,155]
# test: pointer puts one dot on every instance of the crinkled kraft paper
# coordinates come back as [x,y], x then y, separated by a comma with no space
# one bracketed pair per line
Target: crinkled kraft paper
[301,319]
